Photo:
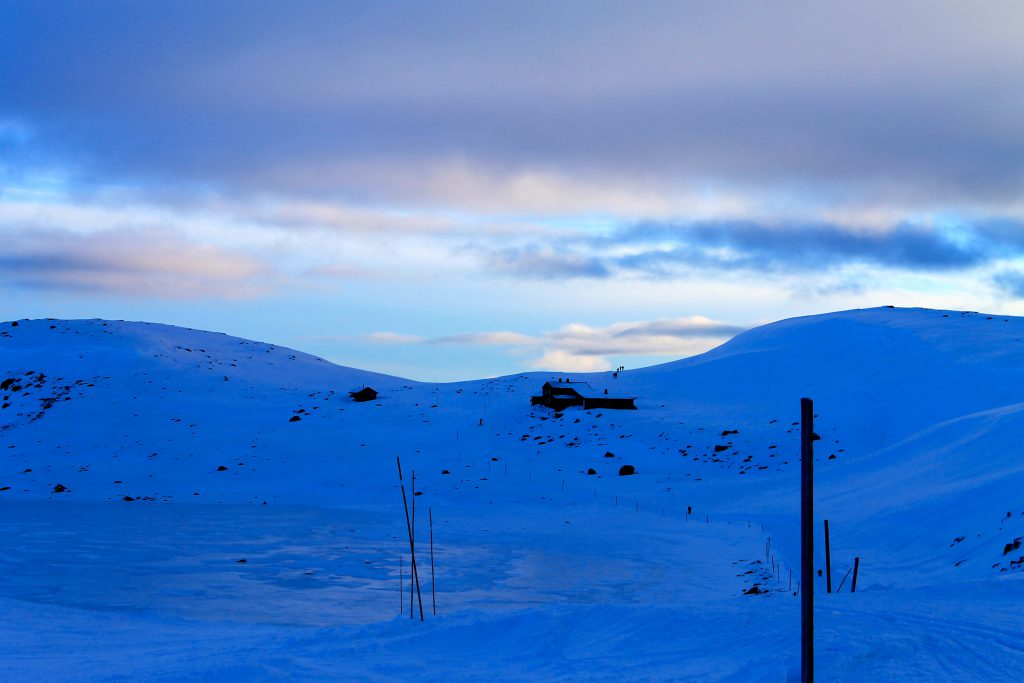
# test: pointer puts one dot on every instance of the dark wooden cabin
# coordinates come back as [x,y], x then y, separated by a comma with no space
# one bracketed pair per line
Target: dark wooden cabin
[562,395]
[364,394]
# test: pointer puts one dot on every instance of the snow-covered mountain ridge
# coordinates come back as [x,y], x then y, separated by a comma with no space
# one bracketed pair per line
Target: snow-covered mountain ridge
[919,467]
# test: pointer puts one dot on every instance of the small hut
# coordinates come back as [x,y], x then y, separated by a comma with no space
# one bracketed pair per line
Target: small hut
[561,395]
[364,394]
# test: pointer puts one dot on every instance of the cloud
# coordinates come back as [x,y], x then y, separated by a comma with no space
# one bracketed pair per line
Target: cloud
[844,97]
[133,263]
[667,250]
[767,248]
[392,338]
[582,348]
[1010,283]
[683,328]
[343,271]
[543,262]
[665,337]
[488,339]
[564,361]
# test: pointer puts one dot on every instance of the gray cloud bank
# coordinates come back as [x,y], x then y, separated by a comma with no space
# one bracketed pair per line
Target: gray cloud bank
[916,99]
[125,262]
[667,249]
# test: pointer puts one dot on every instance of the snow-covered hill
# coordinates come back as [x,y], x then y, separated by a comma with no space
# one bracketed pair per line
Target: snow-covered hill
[135,461]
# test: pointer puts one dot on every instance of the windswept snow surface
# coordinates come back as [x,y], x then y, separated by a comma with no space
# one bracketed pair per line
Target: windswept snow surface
[167,517]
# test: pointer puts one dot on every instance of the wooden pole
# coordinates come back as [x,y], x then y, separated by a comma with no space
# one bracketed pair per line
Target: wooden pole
[414,576]
[828,561]
[807,540]
[413,486]
[412,598]
[845,576]
[433,594]
[856,566]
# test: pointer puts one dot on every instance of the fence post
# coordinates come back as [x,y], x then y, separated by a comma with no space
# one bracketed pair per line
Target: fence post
[433,594]
[807,540]
[828,561]
[414,577]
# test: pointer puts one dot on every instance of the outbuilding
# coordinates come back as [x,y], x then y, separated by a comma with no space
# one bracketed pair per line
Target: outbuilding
[364,394]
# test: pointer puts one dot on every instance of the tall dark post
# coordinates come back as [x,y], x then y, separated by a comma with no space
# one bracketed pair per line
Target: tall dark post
[807,540]
[856,566]
[414,577]
[433,595]
[828,561]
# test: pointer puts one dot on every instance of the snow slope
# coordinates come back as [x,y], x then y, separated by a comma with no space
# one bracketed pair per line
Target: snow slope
[140,464]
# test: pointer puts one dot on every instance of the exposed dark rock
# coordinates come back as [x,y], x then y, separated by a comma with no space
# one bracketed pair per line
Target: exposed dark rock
[626,470]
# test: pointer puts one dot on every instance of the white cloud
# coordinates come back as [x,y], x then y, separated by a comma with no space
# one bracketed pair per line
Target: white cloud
[581,348]
[134,263]
[392,338]
[489,339]
[558,360]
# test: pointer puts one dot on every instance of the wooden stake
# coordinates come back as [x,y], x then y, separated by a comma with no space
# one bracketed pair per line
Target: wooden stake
[433,594]
[844,580]
[807,540]
[856,566]
[413,484]
[828,561]
[414,575]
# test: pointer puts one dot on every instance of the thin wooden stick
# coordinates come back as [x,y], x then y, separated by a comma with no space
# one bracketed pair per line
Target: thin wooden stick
[844,580]
[413,486]
[433,594]
[414,578]
[856,566]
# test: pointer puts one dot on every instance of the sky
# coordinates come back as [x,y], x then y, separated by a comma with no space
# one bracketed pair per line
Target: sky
[453,190]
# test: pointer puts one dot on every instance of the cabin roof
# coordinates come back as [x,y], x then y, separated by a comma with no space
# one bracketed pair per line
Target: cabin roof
[575,386]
